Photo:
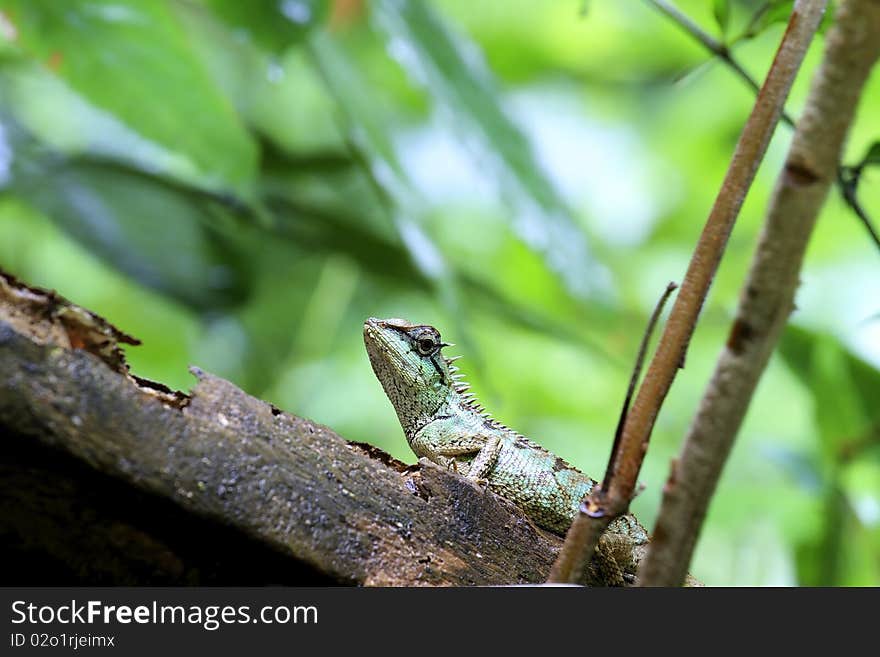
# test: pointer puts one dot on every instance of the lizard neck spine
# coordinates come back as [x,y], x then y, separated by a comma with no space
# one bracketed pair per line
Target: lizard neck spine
[460,396]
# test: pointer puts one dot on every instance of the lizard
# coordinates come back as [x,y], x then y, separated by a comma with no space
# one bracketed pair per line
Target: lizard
[444,423]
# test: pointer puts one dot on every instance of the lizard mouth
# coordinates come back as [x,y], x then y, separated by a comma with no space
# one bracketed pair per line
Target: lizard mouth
[376,330]
[393,355]
[373,332]
[378,344]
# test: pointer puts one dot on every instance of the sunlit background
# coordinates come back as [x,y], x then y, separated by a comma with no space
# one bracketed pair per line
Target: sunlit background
[241,184]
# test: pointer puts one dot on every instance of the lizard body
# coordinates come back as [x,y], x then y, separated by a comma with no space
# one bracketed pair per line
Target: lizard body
[443,423]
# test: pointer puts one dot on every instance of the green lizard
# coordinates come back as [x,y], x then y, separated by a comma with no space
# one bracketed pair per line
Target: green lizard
[444,423]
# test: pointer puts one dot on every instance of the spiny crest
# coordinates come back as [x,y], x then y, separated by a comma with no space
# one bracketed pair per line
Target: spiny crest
[408,360]
[469,399]
[458,382]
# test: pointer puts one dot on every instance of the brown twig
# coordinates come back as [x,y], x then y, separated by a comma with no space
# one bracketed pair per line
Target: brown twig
[571,559]
[847,185]
[637,370]
[612,498]
[852,47]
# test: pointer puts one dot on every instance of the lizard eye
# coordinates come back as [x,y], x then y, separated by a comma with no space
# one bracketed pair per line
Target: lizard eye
[426,345]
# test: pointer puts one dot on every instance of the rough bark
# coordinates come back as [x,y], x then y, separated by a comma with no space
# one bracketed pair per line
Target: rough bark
[156,483]
[64,524]
[767,298]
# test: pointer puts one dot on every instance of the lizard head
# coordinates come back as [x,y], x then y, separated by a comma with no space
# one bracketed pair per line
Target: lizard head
[407,360]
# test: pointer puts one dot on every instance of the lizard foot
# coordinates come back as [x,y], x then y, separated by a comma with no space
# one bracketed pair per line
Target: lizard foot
[449,463]
[481,482]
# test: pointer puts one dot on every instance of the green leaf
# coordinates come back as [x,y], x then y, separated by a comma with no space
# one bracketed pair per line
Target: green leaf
[371,144]
[358,107]
[721,12]
[845,552]
[845,388]
[769,13]
[322,229]
[358,111]
[872,157]
[273,24]
[802,467]
[169,239]
[776,12]
[133,61]
[324,206]
[450,68]
[67,123]
[281,97]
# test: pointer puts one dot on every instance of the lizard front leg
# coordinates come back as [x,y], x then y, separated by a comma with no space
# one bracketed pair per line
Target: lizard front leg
[485,460]
[441,446]
[442,440]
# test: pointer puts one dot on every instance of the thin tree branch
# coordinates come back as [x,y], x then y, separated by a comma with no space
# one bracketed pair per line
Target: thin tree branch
[637,370]
[722,52]
[848,191]
[717,48]
[572,558]
[852,47]
[612,498]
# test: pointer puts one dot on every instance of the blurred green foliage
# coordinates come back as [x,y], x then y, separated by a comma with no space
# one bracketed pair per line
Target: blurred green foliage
[241,184]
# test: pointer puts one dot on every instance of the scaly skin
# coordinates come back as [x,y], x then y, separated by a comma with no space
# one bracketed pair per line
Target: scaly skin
[443,423]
